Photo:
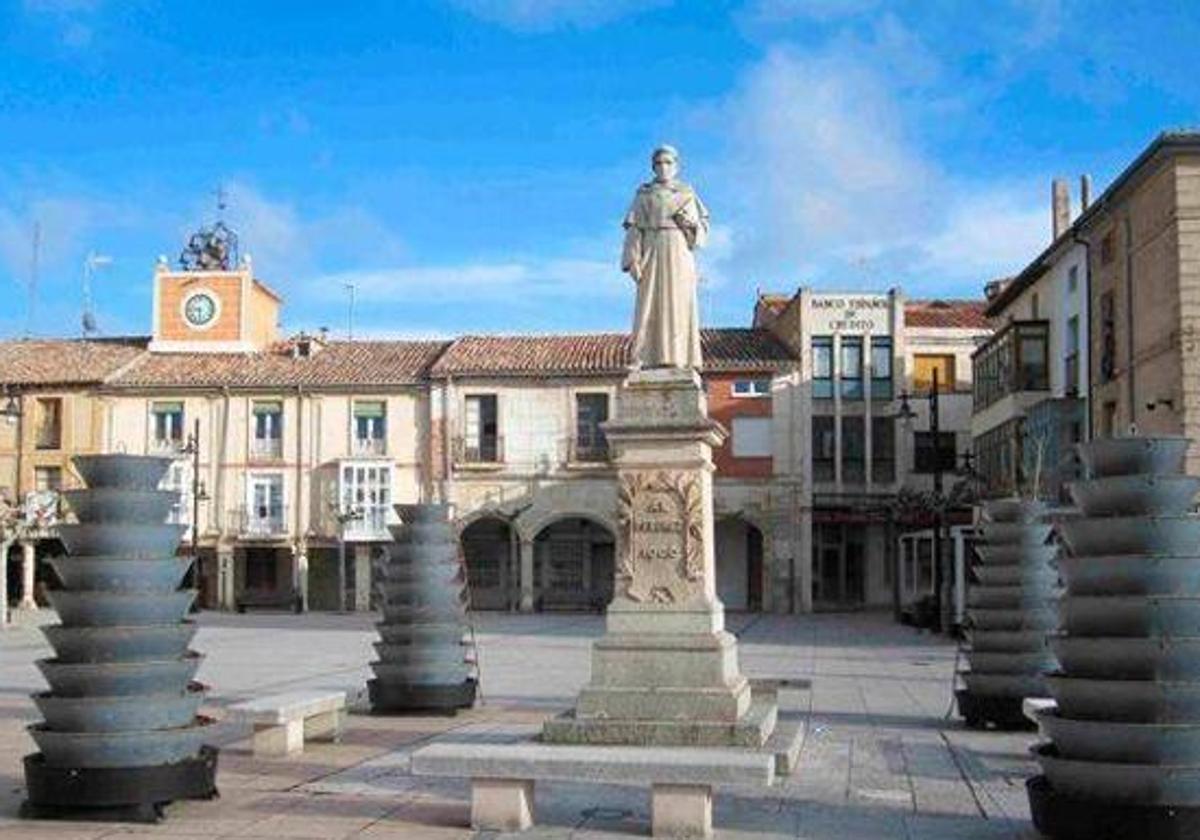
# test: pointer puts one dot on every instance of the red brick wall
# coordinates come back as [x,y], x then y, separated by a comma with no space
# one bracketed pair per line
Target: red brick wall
[723,406]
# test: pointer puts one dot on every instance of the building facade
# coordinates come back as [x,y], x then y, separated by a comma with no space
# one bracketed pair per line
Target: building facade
[1095,336]
[291,452]
[1031,378]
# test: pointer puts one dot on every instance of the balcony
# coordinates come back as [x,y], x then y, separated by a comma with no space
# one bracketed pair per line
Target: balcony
[582,451]
[165,446]
[254,525]
[373,447]
[372,526]
[1014,360]
[483,452]
[266,449]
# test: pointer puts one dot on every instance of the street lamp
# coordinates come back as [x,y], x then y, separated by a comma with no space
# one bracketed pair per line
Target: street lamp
[907,415]
[199,494]
[11,410]
[344,516]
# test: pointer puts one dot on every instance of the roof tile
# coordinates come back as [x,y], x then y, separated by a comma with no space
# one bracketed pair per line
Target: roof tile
[44,362]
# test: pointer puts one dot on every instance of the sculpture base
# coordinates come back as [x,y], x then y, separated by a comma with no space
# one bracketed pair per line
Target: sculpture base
[115,794]
[398,699]
[751,730]
[979,710]
[1077,818]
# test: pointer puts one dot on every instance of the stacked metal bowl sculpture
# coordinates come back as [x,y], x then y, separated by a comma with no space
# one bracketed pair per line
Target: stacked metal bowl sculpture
[121,727]
[424,660]
[1010,610]
[1123,757]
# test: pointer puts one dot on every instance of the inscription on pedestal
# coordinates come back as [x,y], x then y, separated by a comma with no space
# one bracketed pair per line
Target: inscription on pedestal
[660,551]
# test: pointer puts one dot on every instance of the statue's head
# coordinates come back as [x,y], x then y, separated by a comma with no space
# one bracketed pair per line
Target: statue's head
[665,163]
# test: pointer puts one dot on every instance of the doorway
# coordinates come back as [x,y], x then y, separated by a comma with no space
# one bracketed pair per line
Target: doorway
[839,566]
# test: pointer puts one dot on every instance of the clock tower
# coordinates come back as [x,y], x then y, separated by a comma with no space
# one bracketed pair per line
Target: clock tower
[212,303]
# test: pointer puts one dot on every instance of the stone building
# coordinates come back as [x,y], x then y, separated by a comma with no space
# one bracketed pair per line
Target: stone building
[522,455]
[47,415]
[291,452]
[1096,335]
[864,359]
[1031,376]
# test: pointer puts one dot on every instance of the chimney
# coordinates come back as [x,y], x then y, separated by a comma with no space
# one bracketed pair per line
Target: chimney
[1060,207]
[1085,192]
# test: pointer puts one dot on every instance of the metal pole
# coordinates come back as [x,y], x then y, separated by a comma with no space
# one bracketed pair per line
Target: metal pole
[5,545]
[195,574]
[938,513]
[341,567]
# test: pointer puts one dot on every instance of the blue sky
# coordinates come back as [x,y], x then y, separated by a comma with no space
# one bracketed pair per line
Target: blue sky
[466,163]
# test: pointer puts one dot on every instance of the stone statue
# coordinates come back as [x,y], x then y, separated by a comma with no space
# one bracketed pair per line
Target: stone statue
[665,224]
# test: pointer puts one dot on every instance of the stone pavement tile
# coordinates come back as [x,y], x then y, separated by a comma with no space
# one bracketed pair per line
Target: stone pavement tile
[54,830]
[939,786]
[924,827]
[818,821]
[878,776]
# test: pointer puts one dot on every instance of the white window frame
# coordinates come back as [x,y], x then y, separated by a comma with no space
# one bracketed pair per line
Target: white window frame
[358,481]
[750,388]
[255,479]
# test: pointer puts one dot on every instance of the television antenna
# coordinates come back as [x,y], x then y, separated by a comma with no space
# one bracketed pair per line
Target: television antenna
[90,263]
[350,289]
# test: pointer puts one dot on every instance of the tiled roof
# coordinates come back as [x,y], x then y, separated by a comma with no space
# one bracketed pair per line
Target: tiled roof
[37,361]
[338,363]
[946,314]
[599,354]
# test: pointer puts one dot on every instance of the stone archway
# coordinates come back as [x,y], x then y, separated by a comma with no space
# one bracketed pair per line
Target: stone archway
[487,544]
[739,563]
[573,564]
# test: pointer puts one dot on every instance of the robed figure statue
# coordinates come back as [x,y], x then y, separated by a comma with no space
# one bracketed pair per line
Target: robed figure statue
[665,224]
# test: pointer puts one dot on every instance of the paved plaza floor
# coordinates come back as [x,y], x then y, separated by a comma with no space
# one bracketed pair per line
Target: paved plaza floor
[881,758]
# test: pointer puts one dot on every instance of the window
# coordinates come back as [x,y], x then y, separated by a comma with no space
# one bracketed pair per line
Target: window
[1108,336]
[924,367]
[367,489]
[927,458]
[1014,359]
[167,425]
[1071,360]
[591,410]
[1108,247]
[883,450]
[823,448]
[370,427]
[1033,306]
[265,505]
[752,388]
[480,442]
[852,368]
[854,451]
[881,368]
[1108,420]
[1033,362]
[47,479]
[751,437]
[1072,279]
[822,350]
[268,430]
[49,423]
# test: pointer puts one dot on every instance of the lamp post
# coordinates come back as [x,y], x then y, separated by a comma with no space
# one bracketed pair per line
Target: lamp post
[344,516]
[199,494]
[906,414]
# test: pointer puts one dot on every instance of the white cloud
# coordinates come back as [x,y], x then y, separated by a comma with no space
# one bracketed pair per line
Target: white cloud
[500,282]
[545,15]
[824,169]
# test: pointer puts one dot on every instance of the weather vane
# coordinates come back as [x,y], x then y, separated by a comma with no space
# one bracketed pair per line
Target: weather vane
[213,247]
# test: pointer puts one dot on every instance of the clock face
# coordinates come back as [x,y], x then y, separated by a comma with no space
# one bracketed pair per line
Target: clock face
[200,309]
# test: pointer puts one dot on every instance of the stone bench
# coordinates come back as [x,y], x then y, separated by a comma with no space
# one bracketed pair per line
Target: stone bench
[283,722]
[680,778]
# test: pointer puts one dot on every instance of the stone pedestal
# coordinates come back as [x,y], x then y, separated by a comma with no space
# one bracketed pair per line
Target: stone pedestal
[666,671]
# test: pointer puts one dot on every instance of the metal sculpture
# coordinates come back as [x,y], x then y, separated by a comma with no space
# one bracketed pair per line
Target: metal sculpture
[1010,609]
[1123,755]
[425,660]
[121,736]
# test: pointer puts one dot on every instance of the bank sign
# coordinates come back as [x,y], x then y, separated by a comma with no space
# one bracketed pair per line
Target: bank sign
[851,314]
